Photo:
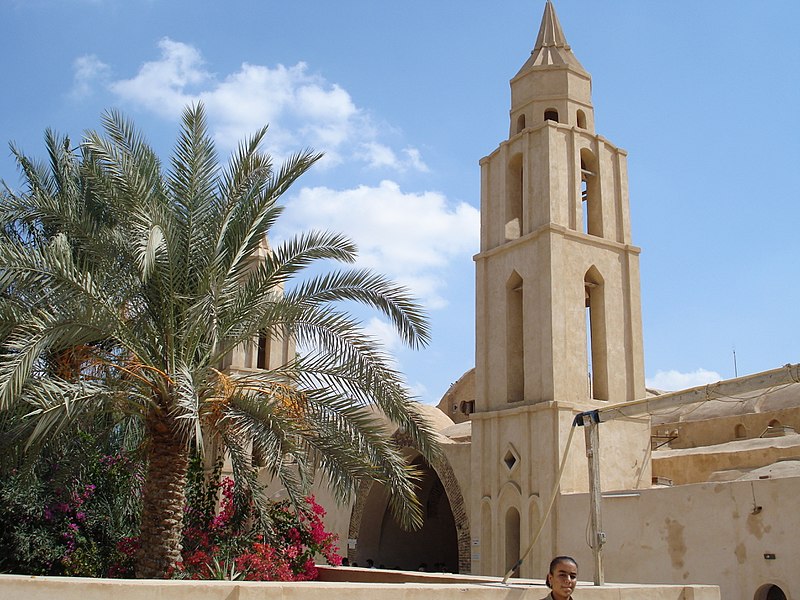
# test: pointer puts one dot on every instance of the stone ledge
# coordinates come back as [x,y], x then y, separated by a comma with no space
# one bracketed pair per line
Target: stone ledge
[462,588]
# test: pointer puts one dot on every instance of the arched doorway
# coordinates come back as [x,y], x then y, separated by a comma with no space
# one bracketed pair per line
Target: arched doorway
[381,539]
[769,591]
[370,509]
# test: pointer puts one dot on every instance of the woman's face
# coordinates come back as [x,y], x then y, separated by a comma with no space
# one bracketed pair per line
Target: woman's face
[563,579]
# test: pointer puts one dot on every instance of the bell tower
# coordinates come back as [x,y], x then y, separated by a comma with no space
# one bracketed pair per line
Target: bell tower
[558,309]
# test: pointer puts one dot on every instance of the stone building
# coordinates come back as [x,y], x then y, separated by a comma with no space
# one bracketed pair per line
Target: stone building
[703,493]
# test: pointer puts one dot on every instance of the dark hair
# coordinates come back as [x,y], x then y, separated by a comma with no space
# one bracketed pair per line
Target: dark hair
[555,562]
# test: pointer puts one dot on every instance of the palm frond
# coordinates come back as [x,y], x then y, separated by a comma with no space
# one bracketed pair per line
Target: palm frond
[371,289]
[193,183]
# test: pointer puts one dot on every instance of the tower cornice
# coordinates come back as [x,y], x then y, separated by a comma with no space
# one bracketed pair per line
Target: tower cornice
[562,231]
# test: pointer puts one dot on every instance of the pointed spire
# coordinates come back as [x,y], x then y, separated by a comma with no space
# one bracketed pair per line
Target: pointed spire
[551,46]
[550,32]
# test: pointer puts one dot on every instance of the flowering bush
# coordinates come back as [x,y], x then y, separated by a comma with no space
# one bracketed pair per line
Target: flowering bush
[227,543]
[300,536]
[64,517]
[81,517]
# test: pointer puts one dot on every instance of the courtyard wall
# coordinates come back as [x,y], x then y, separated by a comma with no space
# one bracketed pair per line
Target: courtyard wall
[740,535]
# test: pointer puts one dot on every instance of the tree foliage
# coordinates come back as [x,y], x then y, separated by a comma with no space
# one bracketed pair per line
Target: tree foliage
[125,284]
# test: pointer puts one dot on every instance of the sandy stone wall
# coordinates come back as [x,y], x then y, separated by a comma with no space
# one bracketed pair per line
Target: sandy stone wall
[740,535]
[697,465]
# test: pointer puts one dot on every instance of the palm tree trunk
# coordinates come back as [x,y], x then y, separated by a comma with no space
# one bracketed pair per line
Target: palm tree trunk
[163,499]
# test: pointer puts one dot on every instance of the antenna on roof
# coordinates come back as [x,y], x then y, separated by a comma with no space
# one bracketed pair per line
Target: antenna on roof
[735,370]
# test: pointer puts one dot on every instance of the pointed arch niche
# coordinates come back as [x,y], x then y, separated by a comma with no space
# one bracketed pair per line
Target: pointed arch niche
[514,175]
[590,194]
[512,539]
[596,339]
[487,528]
[537,557]
[515,340]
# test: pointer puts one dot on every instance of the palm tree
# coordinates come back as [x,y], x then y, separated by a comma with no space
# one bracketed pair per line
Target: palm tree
[124,287]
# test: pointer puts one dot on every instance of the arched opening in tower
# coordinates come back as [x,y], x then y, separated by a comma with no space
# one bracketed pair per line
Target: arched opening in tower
[515,339]
[514,198]
[596,344]
[590,194]
[434,547]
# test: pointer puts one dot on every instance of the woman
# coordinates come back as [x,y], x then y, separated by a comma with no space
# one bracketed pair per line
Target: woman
[561,578]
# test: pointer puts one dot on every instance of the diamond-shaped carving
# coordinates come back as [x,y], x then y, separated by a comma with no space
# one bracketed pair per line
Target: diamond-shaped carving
[510,458]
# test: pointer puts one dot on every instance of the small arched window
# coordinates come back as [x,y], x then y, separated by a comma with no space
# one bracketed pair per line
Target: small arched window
[740,432]
[581,116]
[551,114]
[520,123]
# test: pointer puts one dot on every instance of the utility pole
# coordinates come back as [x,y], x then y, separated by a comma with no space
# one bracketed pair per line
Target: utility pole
[592,436]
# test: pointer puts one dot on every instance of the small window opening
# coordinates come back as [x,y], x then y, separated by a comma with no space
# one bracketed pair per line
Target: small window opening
[262,359]
[581,117]
[520,123]
[510,460]
[551,114]
[740,432]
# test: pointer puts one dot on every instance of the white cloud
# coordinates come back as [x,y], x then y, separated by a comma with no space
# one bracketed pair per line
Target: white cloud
[377,155]
[675,380]
[412,237]
[87,70]
[415,160]
[420,392]
[385,334]
[161,85]
[303,109]
[387,337]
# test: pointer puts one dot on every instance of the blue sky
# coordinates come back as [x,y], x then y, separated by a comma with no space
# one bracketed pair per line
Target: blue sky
[406,97]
